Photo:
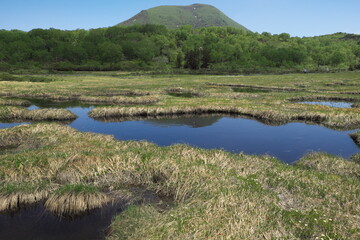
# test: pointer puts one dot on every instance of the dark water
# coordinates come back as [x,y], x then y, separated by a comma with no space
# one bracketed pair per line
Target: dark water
[35,223]
[288,142]
[331,104]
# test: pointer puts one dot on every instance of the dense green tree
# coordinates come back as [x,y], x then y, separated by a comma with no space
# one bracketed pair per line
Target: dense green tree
[152,46]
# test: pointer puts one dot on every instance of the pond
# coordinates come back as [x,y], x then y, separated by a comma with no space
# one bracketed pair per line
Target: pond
[287,142]
[35,223]
[331,104]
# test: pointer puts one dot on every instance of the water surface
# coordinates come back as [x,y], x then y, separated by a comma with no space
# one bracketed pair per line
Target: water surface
[35,223]
[331,104]
[287,142]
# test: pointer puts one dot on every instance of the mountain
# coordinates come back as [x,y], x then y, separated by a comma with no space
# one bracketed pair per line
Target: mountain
[197,15]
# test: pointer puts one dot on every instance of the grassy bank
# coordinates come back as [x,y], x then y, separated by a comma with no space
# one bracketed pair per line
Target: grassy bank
[341,121]
[215,194]
[18,114]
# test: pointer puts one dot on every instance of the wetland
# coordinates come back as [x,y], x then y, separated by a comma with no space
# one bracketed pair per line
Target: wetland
[219,149]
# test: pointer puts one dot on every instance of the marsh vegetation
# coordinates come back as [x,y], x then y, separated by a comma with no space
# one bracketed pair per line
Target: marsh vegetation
[213,193]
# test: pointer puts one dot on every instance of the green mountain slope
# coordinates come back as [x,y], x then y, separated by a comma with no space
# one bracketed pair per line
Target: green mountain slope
[197,15]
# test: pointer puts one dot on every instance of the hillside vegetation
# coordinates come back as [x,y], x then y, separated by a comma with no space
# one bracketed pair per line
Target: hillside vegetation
[196,15]
[154,47]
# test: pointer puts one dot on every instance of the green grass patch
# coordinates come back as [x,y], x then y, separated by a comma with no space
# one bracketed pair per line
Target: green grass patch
[25,78]
[250,90]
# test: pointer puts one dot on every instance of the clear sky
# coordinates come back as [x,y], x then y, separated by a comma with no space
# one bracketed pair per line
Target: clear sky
[297,17]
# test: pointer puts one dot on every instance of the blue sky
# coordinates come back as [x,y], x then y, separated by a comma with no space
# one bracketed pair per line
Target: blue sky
[297,17]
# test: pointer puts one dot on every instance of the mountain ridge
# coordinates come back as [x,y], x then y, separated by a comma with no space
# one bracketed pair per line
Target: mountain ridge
[196,15]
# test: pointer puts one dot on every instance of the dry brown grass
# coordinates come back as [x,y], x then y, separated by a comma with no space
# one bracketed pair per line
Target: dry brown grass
[119,100]
[21,114]
[70,204]
[14,201]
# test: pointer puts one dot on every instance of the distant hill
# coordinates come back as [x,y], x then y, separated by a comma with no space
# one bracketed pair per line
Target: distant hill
[197,15]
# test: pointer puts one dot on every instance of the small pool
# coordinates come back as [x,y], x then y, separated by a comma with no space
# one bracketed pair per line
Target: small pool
[331,104]
[35,223]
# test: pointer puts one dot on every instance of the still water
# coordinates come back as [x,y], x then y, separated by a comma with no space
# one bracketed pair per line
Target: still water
[287,142]
[35,223]
[331,104]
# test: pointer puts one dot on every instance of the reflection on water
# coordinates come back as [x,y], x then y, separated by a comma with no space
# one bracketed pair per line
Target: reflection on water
[331,104]
[287,142]
[193,121]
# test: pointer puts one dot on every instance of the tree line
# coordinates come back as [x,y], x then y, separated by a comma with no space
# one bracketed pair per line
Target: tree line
[153,47]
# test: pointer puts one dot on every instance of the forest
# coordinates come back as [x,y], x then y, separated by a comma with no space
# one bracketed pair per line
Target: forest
[154,47]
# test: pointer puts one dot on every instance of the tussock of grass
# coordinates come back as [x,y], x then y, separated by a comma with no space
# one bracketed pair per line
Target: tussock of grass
[183,92]
[270,116]
[216,194]
[13,196]
[250,87]
[356,137]
[75,199]
[132,93]
[119,100]
[13,102]
[326,163]
[20,114]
